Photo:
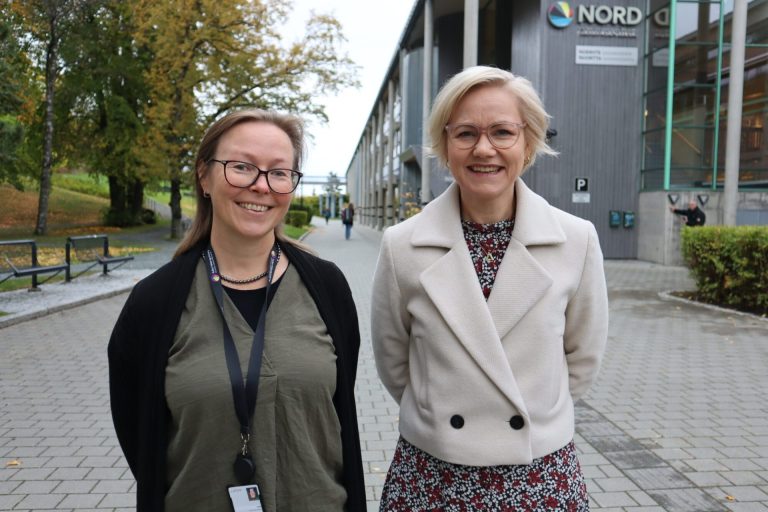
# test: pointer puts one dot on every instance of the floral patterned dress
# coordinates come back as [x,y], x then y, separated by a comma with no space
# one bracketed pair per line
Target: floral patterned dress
[419,482]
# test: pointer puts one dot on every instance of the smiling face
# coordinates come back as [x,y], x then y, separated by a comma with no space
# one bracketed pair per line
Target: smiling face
[242,215]
[484,173]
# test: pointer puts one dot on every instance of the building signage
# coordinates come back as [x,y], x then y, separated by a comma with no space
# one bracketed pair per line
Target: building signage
[606,55]
[596,19]
[580,197]
[609,15]
[581,194]
[560,14]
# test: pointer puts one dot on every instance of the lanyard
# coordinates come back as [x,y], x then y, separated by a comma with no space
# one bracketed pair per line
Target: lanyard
[244,395]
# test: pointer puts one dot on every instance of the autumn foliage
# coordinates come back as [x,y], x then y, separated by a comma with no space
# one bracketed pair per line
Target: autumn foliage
[125,88]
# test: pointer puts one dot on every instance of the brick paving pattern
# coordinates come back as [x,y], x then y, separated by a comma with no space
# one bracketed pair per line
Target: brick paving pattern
[677,421]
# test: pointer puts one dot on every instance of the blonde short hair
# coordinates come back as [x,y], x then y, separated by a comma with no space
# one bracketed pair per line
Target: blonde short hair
[529,103]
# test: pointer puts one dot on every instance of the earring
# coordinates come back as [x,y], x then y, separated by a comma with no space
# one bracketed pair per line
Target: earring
[206,194]
[527,161]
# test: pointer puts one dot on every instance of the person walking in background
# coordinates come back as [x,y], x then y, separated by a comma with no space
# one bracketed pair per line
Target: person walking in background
[327,215]
[694,216]
[489,317]
[348,218]
[234,365]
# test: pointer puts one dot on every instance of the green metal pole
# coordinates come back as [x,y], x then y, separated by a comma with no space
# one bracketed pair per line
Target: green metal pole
[716,139]
[670,94]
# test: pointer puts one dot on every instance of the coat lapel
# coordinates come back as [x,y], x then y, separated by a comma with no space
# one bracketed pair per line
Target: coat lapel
[521,280]
[520,283]
[451,284]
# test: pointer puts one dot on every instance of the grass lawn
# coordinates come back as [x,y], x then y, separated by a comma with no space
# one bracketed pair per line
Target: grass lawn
[68,212]
[294,232]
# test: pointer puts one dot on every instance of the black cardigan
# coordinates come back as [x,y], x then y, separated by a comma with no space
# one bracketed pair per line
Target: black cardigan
[138,356]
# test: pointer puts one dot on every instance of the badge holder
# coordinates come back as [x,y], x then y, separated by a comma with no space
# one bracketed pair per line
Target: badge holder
[243,465]
[245,498]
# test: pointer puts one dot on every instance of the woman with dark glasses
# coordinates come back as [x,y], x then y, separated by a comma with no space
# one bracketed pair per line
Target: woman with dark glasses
[232,368]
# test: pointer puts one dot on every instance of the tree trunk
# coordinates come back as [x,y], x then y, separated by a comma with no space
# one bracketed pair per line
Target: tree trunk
[50,85]
[136,199]
[117,202]
[175,204]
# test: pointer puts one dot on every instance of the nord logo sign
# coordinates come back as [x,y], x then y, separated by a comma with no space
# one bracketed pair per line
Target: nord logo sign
[560,15]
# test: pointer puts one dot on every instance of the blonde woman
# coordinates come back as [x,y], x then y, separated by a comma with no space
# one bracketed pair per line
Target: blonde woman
[489,317]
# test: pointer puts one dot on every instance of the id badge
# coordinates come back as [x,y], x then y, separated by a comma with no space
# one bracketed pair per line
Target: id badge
[245,498]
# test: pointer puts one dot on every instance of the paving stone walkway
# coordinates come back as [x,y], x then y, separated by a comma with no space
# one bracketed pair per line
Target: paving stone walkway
[677,421]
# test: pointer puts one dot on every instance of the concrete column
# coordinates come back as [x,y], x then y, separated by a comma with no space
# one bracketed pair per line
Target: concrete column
[358,182]
[364,201]
[403,80]
[735,104]
[372,171]
[471,23]
[389,210]
[426,196]
[380,155]
[374,175]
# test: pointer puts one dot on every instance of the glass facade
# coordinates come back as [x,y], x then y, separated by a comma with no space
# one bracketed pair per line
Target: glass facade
[687,70]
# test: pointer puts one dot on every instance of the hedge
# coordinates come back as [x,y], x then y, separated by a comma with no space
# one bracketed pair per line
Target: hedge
[729,265]
[297,206]
[297,218]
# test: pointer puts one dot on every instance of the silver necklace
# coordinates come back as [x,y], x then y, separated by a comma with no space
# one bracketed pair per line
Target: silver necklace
[254,278]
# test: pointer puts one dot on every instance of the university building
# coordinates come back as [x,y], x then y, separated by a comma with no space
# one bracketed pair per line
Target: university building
[638,92]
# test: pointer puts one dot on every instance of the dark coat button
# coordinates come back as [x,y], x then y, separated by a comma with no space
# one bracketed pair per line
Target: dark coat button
[516,422]
[457,421]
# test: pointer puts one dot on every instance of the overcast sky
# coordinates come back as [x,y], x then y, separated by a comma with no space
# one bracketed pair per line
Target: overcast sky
[373,32]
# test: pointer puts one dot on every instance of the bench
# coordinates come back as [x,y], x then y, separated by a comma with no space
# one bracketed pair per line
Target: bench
[18,258]
[94,250]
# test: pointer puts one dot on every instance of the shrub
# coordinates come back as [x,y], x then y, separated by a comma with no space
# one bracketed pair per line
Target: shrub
[729,265]
[296,218]
[148,216]
[306,203]
[308,208]
[120,218]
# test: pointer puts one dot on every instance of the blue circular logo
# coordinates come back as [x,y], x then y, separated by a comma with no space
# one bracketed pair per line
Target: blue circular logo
[560,14]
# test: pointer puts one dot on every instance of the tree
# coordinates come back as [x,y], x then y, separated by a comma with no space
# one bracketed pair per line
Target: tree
[13,69]
[47,23]
[211,56]
[101,100]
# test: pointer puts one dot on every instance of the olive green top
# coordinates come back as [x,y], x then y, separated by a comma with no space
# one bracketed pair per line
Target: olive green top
[296,438]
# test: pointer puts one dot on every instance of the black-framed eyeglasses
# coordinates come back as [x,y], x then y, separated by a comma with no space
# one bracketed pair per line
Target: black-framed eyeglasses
[501,135]
[244,174]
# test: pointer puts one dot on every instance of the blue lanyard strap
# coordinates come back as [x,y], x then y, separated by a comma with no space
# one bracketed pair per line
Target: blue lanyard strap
[244,395]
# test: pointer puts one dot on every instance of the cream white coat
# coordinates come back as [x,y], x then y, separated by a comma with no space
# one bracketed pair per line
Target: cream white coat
[531,350]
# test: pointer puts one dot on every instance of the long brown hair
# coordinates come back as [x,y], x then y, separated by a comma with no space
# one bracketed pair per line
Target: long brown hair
[293,126]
